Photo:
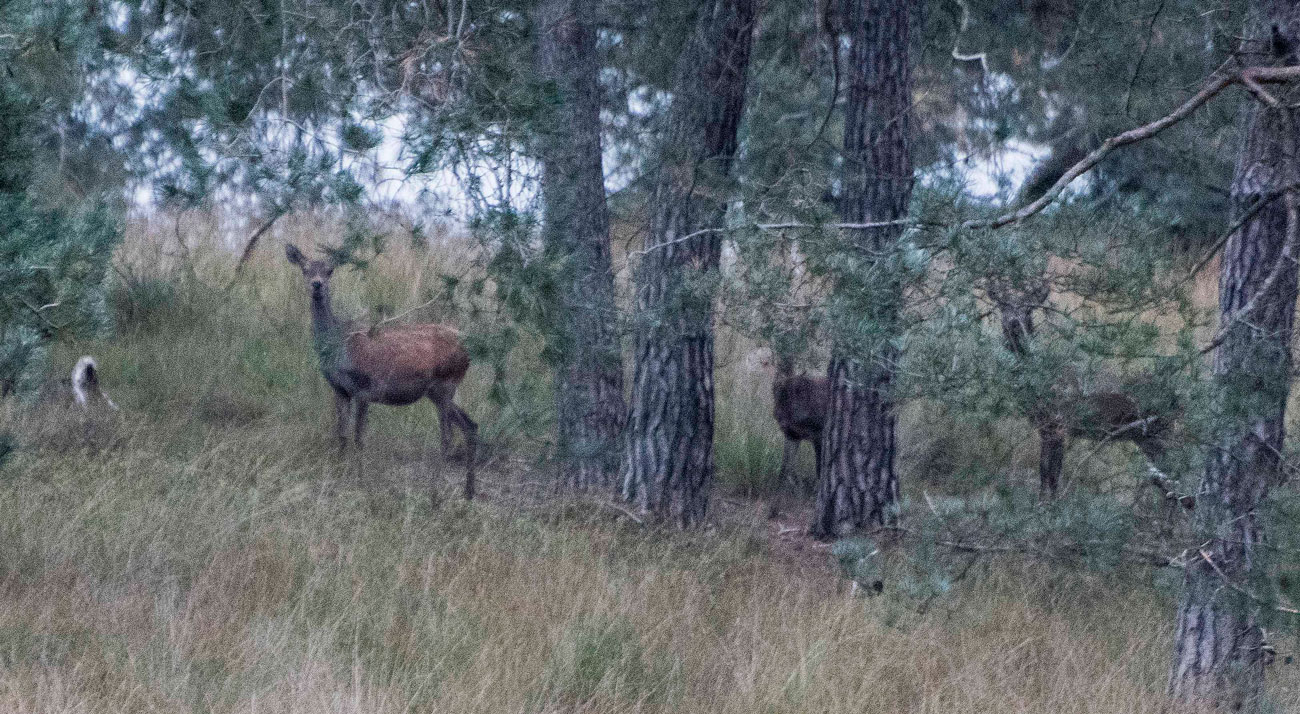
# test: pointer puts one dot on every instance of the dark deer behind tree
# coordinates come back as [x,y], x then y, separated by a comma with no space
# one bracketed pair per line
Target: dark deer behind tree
[799,403]
[1140,409]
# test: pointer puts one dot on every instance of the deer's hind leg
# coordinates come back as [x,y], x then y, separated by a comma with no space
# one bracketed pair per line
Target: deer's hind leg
[817,454]
[443,397]
[1051,459]
[444,430]
[469,430]
[452,416]
[359,428]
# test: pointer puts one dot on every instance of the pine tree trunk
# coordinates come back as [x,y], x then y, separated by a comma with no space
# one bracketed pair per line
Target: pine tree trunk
[575,232]
[859,485]
[1218,655]
[668,455]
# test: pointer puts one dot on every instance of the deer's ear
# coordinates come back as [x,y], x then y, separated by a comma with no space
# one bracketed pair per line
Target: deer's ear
[293,254]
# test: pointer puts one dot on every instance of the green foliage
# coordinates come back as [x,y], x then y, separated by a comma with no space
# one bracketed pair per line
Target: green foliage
[52,275]
[53,258]
[1062,72]
[859,560]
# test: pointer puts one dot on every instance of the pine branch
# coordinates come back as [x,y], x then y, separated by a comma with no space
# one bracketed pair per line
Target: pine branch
[1252,79]
[1236,225]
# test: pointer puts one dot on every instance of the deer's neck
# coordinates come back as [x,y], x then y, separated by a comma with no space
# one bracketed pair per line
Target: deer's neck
[323,321]
[327,333]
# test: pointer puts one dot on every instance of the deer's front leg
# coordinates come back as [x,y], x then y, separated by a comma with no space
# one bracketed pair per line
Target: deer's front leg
[817,472]
[360,427]
[788,456]
[1051,459]
[342,408]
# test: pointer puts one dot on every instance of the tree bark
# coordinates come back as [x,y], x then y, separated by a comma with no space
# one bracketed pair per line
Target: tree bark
[1218,648]
[575,232]
[668,458]
[858,485]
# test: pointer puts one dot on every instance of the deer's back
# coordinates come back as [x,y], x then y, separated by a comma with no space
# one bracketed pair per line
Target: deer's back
[799,405]
[1117,415]
[409,353]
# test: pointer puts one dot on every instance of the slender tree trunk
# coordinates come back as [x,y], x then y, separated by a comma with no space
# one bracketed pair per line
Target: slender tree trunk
[668,454]
[575,232]
[1218,653]
[859,485]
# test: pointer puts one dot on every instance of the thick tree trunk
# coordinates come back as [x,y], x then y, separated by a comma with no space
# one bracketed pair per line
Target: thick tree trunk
[668,454]
[1218,653]
[575,232]
[859,486]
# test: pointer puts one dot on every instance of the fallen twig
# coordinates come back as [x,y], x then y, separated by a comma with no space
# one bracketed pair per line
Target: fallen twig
[624,511]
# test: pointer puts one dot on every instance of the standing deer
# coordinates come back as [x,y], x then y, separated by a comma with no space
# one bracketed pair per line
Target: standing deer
[396,365]
[799,406]
[1101,415]
[1117,415]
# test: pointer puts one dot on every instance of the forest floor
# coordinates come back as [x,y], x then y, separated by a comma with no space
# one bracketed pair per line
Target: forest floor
[208,550]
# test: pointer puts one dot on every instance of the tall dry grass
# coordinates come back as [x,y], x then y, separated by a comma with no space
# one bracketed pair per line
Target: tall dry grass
[206,551]
[249,576]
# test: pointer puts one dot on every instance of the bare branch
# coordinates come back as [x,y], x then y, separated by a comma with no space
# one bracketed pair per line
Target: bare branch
[1146,47]
[370,329]
[960,56]
[1213,86]
[682,239]
[39,312]
[1252,78]
[786,226]
[1236,225]
[1286,256]
[1228,581]
[251,243]
[610,504]
[843,226]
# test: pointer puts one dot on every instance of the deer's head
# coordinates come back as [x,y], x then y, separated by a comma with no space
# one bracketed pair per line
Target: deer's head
[316,272]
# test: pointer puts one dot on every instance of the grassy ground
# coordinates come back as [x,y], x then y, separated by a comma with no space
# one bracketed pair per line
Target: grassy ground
[207,551]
